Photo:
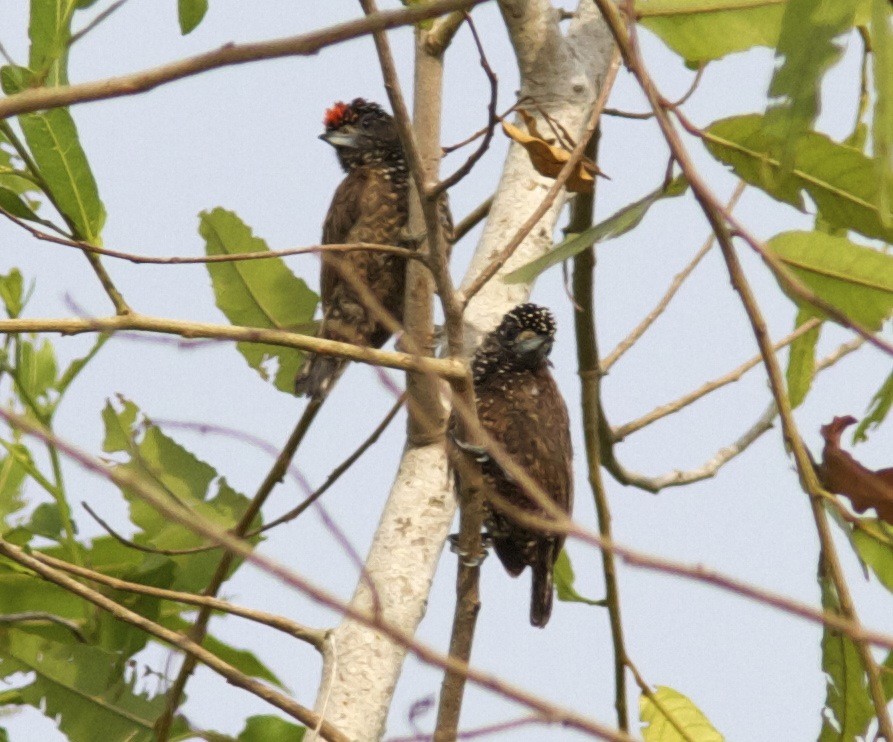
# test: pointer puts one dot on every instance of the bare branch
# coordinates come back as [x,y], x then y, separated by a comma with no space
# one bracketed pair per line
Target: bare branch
[68,326]
[336,472]
[140,547]
[36,99]
[478,214]
[202,259]
[466,167]
[658,413]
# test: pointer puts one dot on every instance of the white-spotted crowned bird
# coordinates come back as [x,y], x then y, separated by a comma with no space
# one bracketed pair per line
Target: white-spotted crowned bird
[369,205]
[521,409]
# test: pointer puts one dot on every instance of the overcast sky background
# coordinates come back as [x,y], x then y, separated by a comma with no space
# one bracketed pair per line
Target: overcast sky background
[245,138]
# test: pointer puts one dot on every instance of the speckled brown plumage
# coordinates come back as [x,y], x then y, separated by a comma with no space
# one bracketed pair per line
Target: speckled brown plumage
[521,408]
[369,205]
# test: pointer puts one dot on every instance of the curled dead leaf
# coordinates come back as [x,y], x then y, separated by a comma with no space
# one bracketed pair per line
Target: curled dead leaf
[548,159]
[841,474]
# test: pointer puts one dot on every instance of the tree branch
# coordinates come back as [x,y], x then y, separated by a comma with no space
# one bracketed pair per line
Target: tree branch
[588,368]
[73,326]
[37,99]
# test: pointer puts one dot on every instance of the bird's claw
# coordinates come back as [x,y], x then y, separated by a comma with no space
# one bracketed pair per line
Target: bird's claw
[465,558]
[479,453]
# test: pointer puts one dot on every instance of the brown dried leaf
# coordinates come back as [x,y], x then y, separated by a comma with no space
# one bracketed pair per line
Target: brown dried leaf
[548,159]
[841,474]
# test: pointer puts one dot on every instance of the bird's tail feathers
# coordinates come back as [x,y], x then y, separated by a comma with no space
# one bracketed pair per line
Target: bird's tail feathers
[318,375]
[541,587]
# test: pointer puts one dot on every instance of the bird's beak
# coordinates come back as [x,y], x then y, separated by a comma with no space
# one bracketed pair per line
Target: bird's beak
[343,137]
[531,344]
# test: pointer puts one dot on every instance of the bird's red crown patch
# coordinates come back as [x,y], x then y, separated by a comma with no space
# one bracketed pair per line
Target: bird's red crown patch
[336,115]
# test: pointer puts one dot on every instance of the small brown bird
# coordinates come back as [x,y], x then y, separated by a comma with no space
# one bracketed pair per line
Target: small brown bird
[370,205]
[521,409]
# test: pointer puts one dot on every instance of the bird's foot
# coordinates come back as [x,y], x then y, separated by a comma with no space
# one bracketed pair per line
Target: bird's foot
[479,453]
[465,558]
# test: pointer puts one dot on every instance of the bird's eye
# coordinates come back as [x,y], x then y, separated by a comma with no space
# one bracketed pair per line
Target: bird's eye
[366,122]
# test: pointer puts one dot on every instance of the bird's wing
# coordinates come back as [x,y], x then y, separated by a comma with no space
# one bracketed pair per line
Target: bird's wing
[344,211]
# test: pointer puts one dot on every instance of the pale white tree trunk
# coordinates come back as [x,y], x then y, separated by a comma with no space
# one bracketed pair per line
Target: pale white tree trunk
[564,73]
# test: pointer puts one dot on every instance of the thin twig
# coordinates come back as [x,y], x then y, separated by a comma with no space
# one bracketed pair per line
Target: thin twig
[313,637]
[651,696]
[95,22]
[448,148]
[140,547]
[202,259]
[492,120]
[336,473]
[475,217]
[640,329]
[44,617]
[662,411]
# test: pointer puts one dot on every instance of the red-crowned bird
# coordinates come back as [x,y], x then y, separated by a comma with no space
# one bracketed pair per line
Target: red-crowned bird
[370,205]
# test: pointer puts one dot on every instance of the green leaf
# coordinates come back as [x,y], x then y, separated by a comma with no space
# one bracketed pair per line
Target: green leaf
[615,225]
[53,140]
[161,462]
[12,477]
[81,687]
[36,368]
[257,293]
[877,410]
[806,42]
[563,576]
[46,521]
[840,179]
[848,707]
[703,30]
[190,14]
[855,279]
[11,292]
[49,30]
[270,728]
[801,359]
[873,541]
[13,203]
[676,711]
[882,125]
